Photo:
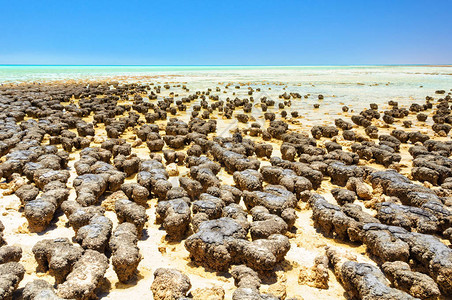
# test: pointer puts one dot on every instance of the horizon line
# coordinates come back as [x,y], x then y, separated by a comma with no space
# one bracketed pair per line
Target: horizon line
[145,65]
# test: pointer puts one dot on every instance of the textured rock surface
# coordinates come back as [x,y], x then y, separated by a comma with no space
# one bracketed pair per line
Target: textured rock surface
[170,284]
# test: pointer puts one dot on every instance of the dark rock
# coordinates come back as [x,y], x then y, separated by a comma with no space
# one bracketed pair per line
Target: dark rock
[58,256]
[125,253]
[414,283]
[362,280]
[175,216]
[343,196]
[87,274]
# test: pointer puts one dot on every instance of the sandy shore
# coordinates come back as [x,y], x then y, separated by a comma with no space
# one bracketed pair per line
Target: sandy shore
[306,241]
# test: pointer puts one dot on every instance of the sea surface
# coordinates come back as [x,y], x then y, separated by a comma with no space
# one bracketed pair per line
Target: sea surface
[356,86]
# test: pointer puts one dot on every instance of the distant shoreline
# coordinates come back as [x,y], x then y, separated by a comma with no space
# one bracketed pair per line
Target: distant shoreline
[439,66]
[46,73]
[238,66]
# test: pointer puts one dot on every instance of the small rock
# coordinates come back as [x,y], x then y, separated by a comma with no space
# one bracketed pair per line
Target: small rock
[137,142]
[99,139]
[278,290]
[172,169]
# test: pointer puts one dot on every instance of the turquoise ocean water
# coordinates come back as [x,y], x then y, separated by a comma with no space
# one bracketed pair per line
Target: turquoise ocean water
[27,73]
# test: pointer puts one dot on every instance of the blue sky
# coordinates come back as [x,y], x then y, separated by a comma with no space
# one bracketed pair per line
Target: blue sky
[262,32]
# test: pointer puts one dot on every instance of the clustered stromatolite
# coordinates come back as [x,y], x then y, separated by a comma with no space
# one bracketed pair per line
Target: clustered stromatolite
[231,199]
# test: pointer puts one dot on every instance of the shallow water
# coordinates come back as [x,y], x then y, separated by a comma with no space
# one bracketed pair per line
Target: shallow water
[354,86]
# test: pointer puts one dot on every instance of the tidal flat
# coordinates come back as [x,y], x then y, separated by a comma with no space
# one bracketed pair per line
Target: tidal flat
[328,183]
